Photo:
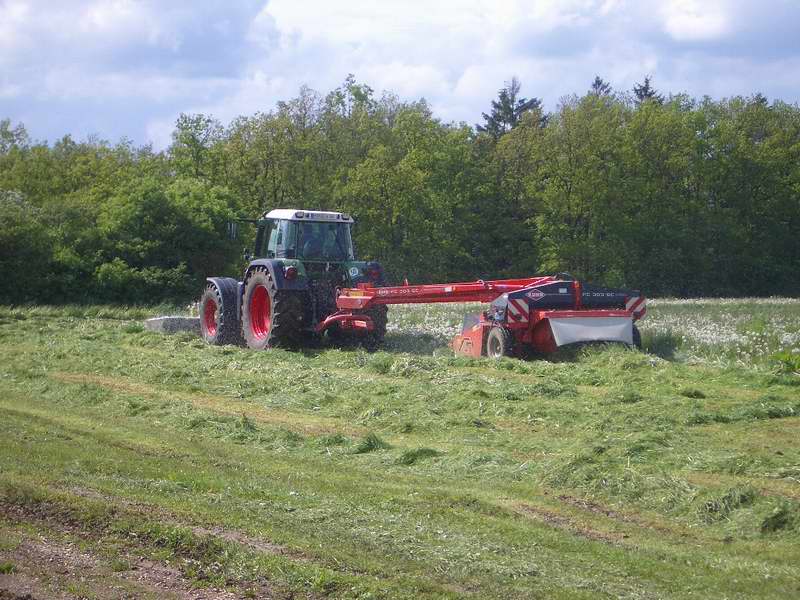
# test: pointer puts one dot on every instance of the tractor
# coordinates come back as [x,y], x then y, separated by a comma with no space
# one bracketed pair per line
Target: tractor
[304,282]
[302,259]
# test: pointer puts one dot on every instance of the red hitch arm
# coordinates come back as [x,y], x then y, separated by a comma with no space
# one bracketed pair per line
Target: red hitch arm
[347,320]
[474,291]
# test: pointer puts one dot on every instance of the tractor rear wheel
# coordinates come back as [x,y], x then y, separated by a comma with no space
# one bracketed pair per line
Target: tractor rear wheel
[270,317]
[219,322]
[499,343]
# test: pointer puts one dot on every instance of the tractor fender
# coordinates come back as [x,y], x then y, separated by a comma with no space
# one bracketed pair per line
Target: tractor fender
[276,271]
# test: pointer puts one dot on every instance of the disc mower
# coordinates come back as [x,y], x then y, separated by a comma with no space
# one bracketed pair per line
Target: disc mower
[536,313]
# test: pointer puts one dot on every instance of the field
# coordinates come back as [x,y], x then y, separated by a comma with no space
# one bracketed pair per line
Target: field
[139,465]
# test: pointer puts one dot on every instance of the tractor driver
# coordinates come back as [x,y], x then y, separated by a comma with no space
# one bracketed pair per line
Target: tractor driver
[339,243]
[312,244]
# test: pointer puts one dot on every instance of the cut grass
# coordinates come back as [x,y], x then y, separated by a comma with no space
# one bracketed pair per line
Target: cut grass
[409,457]
[399,474]
[370,443]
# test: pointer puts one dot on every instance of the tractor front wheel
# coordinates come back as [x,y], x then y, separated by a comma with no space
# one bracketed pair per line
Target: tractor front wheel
[499,343]
[270,317]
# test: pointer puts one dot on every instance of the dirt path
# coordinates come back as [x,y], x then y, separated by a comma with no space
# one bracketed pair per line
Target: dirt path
[47,568]
[44,557]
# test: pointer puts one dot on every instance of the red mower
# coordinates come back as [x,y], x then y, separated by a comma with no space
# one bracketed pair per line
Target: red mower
[536,313]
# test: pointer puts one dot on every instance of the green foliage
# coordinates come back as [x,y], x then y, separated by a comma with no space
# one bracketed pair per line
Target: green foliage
[508,109]
[25,240]
[788,361]
[646,92]
[119,282]
[666,194]
[7,568]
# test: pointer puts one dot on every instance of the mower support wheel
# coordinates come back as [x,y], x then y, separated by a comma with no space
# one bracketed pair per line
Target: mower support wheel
[270,317]
[219,321]
[499,343]
[637,338]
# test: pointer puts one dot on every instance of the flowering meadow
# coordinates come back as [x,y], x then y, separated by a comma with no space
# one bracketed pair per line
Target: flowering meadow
[760,332]
[751,332]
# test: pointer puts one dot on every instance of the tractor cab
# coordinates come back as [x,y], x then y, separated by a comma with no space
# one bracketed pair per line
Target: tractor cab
[308,236]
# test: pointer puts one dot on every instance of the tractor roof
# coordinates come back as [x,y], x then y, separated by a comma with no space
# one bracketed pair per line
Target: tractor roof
[294,214]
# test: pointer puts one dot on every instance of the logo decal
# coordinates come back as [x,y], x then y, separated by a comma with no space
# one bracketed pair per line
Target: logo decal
[535,295]
[353,271]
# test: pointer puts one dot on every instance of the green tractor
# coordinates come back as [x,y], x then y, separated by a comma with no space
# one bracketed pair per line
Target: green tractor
[289,288]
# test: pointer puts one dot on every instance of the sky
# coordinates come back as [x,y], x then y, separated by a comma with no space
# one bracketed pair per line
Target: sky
[128,68]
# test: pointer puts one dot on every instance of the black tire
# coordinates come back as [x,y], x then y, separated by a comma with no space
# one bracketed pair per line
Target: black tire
[380,318]
[270,317]
[499,343]
[637,338]
[219,320]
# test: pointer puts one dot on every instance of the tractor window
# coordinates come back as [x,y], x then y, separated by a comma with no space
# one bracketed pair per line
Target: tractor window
[324,241]
[272,239]
[287,240]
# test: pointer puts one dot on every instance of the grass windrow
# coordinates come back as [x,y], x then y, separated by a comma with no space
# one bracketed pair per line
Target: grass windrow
[406,473]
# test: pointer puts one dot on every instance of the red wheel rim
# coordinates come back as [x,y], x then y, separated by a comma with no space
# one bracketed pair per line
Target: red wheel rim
[210,313]
[260,312]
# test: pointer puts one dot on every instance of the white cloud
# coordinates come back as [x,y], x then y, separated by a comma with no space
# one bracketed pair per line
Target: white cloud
[13,14]
[130,67]
[697,19]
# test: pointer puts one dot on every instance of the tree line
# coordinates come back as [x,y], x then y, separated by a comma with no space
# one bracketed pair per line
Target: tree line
[666,193]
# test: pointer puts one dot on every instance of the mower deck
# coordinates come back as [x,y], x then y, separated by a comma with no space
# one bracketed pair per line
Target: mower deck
[537,313]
